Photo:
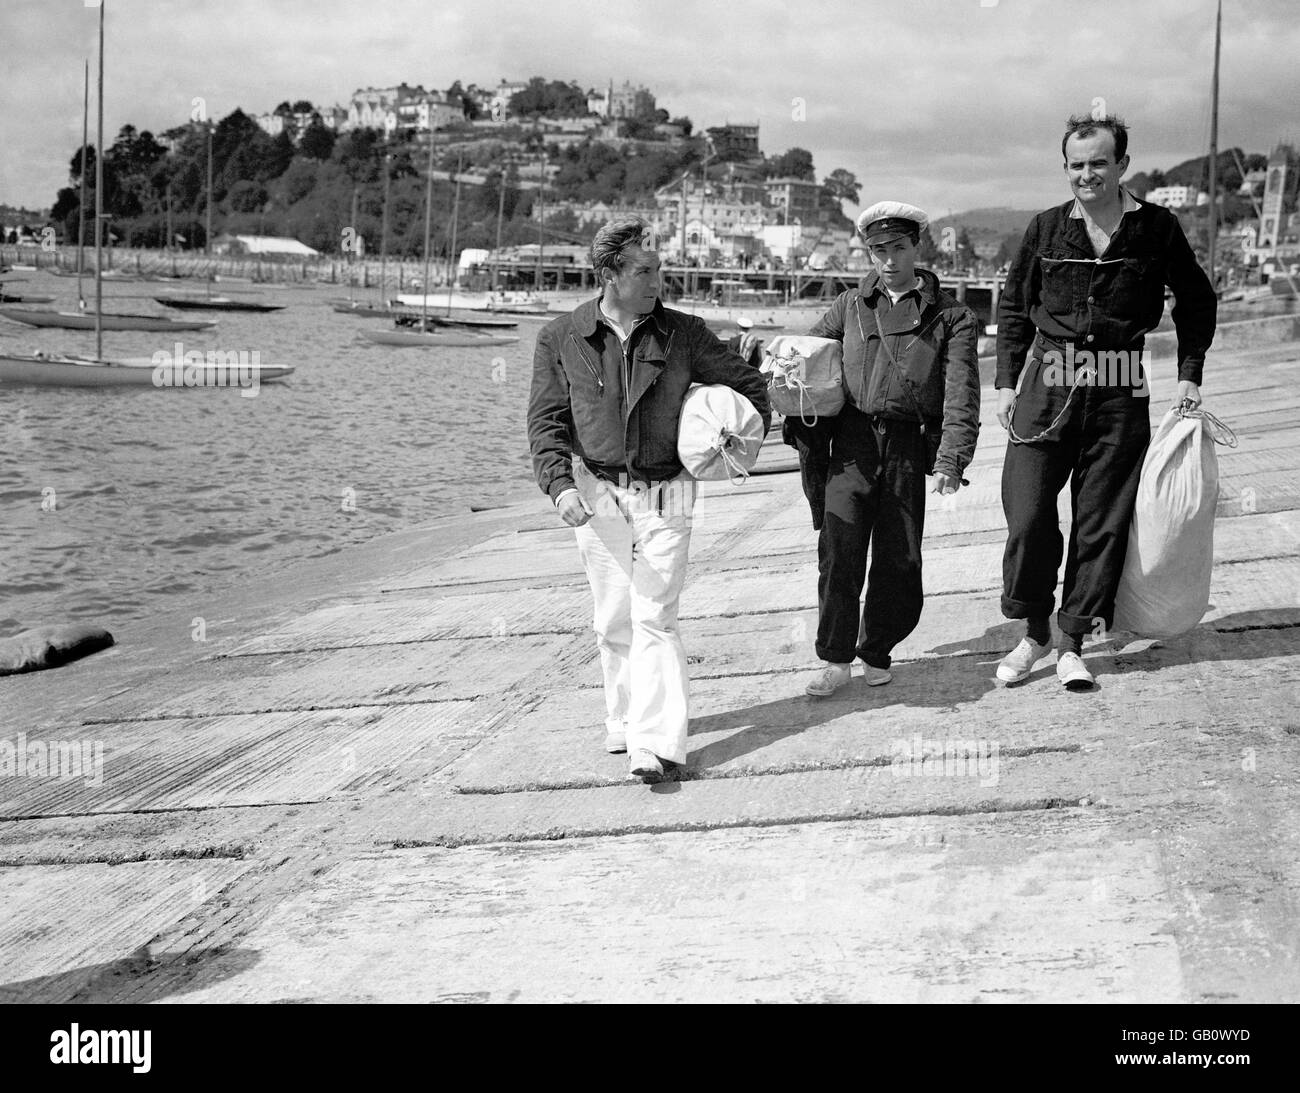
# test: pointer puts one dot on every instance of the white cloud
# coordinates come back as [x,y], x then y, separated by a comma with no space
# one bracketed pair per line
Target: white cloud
[944,102]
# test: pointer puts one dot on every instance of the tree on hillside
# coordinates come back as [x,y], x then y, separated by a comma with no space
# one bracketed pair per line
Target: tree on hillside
[793,163]
[553,99]
[843,185]
[317,141]
[927,253]
[359,153]
[1007,250]
[457,96]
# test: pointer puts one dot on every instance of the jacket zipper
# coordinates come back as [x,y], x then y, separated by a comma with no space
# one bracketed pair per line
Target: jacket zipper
[590,367]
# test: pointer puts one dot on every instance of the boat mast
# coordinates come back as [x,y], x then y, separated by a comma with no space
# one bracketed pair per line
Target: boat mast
[501,209]
[428,212]
[455,213]
[352,250]
[207,232]
[383,235]
[541,217]
[1214,148]
[99,198]
[81,201]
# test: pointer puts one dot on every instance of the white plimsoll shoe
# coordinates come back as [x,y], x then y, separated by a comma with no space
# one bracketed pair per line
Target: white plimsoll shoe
[1018,663]
[875,677]
[831,679]
[1071,671]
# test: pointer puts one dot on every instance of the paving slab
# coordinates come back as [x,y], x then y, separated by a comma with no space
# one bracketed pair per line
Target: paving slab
[894,911]
[364,675]
[66,926]
[764,723]
[241,759]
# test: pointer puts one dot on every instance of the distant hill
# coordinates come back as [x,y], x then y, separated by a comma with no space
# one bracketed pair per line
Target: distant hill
[994,222]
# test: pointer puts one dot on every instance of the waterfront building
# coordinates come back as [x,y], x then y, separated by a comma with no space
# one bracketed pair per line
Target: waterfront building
[264,245]
[732,142]
[624,102]
[499,104]
[377,107]
[1172,197]
[296,122]
[795,199]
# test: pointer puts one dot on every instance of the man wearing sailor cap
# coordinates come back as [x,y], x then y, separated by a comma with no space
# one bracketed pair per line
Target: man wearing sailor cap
[911,409]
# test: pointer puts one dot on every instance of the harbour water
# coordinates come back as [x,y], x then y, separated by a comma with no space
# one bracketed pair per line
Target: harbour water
[116,503]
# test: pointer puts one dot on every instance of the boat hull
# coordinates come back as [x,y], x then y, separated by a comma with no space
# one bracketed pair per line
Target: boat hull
[67,320]
[216,303]
[59,371]
[459,339]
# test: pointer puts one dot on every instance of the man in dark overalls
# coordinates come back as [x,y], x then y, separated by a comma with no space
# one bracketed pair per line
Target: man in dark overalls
[1085,287]
[912,395]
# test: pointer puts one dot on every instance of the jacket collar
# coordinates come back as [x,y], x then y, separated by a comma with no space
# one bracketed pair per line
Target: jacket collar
[586,317]
[928,289]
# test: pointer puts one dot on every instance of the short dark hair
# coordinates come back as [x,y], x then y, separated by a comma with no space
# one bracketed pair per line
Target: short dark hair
[610,248]
[1084,125]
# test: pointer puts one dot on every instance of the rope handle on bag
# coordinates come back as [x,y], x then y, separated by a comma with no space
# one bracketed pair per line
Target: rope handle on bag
[785,366]
[1219,432]
[736,474]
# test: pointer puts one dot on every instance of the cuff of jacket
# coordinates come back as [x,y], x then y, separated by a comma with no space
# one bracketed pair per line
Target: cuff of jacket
[1190,368]
[558,486]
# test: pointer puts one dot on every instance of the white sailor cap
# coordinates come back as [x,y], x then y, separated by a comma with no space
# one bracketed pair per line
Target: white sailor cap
[887,220]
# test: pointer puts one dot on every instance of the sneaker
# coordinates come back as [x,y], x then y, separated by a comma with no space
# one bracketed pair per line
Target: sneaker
[646,766]
[1071,671]
[616,742]
[832,678]
[1018,663]
[875,677]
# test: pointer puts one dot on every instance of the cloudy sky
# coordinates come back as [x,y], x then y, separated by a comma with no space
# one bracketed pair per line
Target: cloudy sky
[951,104]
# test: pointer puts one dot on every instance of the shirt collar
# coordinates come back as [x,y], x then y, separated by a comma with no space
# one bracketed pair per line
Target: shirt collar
[588,316]
[1128,204]
[612,323]
[925,286]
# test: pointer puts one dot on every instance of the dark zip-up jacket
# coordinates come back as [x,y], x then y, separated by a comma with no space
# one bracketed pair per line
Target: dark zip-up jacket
[933,337]
[1058,285]
[618,407]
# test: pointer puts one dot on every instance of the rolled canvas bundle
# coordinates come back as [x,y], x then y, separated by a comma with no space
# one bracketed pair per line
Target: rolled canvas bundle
[805,376]
[720,433]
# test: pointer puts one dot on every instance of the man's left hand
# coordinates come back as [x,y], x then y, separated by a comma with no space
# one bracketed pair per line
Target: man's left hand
[749,341]
[1188,392]
[946,484]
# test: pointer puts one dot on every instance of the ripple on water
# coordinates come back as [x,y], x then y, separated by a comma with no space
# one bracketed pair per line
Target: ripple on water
[163,496]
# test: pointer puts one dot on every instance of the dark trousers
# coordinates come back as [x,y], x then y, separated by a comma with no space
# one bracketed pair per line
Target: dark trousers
[875,495]
[813,443]
[1098,449]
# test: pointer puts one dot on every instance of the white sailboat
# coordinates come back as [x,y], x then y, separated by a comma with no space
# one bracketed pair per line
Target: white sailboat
[427,333]
[67,370]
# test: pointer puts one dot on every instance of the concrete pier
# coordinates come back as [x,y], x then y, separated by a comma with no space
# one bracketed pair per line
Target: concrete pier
[380,777]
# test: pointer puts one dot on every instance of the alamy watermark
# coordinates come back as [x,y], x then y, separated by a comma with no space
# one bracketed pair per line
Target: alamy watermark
[922,758]
[183,367]
[1103,368]
[63,759]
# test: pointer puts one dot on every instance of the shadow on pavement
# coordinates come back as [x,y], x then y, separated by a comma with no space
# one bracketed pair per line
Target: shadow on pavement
[138,978]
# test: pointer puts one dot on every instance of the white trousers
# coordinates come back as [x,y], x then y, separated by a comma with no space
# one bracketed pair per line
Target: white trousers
[634,549]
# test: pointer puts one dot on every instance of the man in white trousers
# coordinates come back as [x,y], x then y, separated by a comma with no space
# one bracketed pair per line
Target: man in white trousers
[608,384]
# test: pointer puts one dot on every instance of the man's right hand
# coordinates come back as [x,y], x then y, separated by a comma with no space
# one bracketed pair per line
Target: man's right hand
[573,509]
[1006,396]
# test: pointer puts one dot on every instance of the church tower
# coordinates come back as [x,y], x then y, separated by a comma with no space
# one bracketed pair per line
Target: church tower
[1279,197]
